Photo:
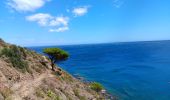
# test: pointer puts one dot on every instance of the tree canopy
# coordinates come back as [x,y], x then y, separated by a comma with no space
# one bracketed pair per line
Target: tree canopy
[55,55]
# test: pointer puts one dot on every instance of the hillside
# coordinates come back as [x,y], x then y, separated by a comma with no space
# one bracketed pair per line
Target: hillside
[26,75]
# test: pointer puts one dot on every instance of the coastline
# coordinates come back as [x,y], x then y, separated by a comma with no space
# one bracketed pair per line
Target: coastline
[104,92]
[119,71]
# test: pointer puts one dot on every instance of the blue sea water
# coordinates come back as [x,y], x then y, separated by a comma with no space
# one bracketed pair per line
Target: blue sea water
[131,71]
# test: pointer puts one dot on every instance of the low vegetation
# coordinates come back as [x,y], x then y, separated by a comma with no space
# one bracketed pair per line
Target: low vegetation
[39,93]
[96,86]
[15,56]
[46,94]
[6,93]
[76,92]
[52,95]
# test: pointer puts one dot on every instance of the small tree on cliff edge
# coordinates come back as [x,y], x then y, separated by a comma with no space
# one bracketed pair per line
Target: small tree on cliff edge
[55,55]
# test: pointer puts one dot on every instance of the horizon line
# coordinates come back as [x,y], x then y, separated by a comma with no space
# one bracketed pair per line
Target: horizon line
[96,43]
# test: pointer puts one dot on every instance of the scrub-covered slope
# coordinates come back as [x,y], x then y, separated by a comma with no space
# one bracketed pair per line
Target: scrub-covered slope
[26,75]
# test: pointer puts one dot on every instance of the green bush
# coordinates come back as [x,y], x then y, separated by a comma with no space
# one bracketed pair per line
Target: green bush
[52,95]
[96,86]
[15,54]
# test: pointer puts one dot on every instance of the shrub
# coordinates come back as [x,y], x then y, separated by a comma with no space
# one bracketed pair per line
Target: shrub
[52,95]
[23,51]
[96,86]
[14,54]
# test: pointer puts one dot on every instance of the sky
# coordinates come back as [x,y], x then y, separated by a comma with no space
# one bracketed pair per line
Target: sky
[67,22]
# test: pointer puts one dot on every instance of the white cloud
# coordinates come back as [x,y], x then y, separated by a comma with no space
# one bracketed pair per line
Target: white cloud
[80,11]
[40,18]
[60,29]
[26,5]
[59,21]
[55,24]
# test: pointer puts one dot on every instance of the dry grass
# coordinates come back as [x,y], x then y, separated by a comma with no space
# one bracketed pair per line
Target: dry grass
[6,92]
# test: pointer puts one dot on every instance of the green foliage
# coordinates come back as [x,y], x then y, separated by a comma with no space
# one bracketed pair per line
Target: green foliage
[14,54]
[46,93]
[96,86]
[52,95]
[55,55]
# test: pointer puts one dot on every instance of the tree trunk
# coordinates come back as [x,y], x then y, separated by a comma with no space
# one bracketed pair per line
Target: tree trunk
[53,66]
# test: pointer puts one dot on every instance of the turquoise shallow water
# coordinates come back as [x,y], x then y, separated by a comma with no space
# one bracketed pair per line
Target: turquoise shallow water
[132,71]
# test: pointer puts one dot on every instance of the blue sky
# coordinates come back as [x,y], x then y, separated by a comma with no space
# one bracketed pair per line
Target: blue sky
[62,22]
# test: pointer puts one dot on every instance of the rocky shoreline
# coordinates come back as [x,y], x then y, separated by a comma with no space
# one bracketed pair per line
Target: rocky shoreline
[105,93]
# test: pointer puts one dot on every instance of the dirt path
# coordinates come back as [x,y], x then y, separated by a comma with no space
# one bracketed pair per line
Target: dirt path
[27,87]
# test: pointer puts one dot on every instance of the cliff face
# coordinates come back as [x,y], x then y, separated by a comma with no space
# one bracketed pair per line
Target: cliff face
[26,75]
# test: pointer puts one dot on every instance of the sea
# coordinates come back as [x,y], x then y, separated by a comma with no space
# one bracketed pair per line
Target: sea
[128,70]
